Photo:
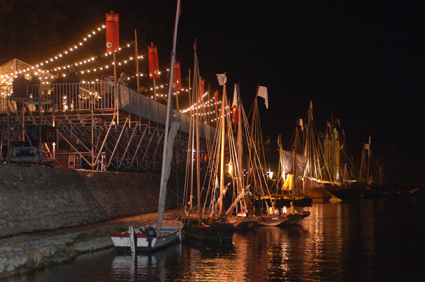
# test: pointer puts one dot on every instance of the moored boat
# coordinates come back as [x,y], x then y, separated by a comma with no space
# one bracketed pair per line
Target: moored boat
[217,231]
[146,238]
[271,220]
[163,233]
[243,221]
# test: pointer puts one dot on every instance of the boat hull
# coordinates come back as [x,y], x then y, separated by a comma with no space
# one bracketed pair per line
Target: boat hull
[215,232]
[243,223]
[294,218]
[274,220]
[169,234]
[319,193]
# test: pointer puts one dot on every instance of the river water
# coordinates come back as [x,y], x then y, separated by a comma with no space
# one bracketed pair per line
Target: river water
[361,240]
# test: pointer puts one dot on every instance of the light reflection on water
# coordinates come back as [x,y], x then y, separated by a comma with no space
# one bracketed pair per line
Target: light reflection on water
[365,240]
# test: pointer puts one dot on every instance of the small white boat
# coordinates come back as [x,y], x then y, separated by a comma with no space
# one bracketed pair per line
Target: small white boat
[146,238]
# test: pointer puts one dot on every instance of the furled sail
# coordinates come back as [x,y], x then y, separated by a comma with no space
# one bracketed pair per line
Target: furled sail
[167,170]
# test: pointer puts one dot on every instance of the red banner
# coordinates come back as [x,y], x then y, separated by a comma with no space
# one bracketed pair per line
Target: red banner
[153,62]
[177,77]
[235,115]
[112,32]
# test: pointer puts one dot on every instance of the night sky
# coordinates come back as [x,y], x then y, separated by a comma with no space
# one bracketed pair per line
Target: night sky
[360,62]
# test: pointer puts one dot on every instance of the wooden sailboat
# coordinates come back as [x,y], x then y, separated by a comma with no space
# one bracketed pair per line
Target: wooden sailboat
[264,205]
[238,213]
[308,176]
[215,228]
[338,170]
[291,176]
[370,182]
[163,233]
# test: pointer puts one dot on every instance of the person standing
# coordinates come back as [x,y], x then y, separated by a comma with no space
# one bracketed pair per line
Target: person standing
[73,88]
[122,85]
[123,79]
[20,91]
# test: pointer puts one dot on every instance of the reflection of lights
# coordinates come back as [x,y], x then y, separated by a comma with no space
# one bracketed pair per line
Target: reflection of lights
[230,167]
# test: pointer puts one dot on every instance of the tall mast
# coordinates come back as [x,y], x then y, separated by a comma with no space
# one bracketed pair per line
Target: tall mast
[222,149]
[163,183]
[198,161]
[239,141]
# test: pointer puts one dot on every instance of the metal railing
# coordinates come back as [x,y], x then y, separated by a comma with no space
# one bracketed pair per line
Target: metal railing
[62,97]
[93,96]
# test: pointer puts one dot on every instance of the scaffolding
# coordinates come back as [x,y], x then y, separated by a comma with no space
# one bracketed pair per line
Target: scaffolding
[95,126]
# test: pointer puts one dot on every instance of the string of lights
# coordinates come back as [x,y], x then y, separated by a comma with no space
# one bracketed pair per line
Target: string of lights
[218,118]
[70,49]
[45,76]
[92,59]
[195,106]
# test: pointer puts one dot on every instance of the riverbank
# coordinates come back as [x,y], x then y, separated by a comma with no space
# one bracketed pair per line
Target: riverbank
[27,252]
[41,198]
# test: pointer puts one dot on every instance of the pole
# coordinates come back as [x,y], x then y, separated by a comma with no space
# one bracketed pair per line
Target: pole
[192,146]
[136,51]
[8,129]
[208,95]
[167,121]
[189,90]
[93,164]
[154,83]
[222,150]
[177,101]
[116,89]
[198,167]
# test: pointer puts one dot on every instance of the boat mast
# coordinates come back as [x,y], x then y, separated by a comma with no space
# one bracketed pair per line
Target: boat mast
[198,161]
[223,114]
[163,183]
[294,166]
[240,147]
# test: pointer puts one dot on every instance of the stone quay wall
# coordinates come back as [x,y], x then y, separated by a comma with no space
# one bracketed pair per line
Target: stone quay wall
[40,198]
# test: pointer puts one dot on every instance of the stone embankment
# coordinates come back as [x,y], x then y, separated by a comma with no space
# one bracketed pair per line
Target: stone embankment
[36,200]
[40,198]
[27,252]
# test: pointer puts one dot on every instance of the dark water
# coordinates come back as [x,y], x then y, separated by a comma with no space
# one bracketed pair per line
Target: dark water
[363,240]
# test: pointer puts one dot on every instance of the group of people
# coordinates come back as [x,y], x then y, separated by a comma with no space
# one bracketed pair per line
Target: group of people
[107,90]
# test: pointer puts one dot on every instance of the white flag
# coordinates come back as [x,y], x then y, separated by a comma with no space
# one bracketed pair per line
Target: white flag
[235,98]
[262,92]
[222,78]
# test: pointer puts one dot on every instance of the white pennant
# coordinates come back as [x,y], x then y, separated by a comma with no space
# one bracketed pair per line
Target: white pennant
[222,78]
[262,92]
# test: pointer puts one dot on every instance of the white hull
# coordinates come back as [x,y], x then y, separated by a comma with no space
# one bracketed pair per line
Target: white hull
[171,231]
